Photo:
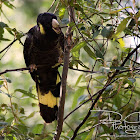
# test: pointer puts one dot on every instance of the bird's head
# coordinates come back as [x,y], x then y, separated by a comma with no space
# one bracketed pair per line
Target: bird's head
[48,23]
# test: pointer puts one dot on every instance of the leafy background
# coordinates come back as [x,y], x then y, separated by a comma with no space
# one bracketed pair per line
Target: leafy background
[104,32]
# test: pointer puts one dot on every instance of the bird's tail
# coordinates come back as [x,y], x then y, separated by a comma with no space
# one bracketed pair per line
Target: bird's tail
[49,102]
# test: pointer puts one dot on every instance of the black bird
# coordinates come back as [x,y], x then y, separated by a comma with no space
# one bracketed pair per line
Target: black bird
[43,51]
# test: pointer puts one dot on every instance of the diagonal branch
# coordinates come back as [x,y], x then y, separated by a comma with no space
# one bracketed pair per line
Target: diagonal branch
[7,48]
[51,5]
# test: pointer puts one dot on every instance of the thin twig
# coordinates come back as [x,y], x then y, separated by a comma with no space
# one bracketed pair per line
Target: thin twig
[56,7]
[8,46]
[90,80]
[11,70]
[5,52]
[51,5]
[87,71]
[64,26]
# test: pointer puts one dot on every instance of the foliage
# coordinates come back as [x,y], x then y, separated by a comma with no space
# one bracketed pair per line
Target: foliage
[104,75]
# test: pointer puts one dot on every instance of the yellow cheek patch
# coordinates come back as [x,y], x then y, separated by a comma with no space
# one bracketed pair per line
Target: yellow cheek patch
[42,31]
[47,99]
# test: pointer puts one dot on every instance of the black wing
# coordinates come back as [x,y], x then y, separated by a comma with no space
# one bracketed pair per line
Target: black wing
[28,52]
[28,45]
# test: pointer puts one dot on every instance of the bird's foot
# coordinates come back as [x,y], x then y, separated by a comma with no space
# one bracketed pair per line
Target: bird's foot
[33,67]
[60,60]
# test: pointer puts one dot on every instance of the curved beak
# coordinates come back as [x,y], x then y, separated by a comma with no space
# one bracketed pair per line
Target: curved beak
[55,26]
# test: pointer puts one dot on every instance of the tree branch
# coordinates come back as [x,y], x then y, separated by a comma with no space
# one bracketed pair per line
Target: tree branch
[8,46]
[86,71]
[22,69]
[11,70]
[51,5]
[68,46]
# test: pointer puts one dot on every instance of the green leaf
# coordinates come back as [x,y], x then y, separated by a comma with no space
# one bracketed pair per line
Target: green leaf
[4,105]
[96,114]
[26,93]
[9,30]
[96,33]
[117,101]
[76,54]
[71,24]
[5,93]
[22,110]
[10,120]
[108,88]
[138,14]
[107,129]
[61,12]
[78,46]
[2,25]
[118,68]
[78,93]
[122,25]
[8,80]
[78,80]
[113,12]
[89,52]
[78,7]
[82,64]
[8,4]
[31,134]
[137,91]
[83,28]
[38,129]
[4,39]
[34,104]
[22,128]
[15,105]
[31,115]
[99,54]
[105,69]
[65,21]
[107,32]
[90,134]
[132,80]
[82,98]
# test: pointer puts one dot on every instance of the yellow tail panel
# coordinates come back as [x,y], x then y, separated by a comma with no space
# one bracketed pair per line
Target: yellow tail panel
[47,99]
